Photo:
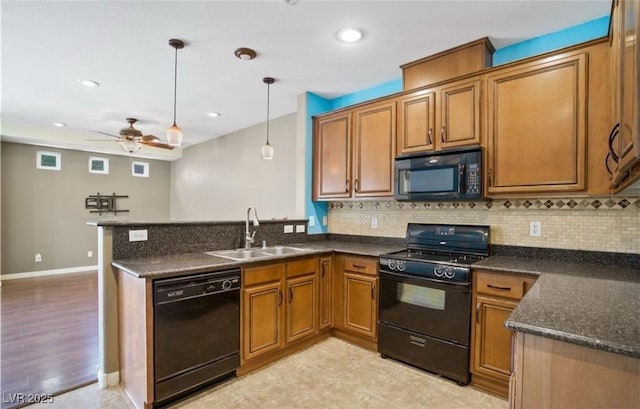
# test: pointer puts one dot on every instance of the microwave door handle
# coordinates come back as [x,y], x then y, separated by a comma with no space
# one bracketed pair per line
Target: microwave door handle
[461,179]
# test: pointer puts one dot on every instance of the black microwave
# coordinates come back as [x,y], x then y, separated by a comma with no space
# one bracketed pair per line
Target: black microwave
[438,176]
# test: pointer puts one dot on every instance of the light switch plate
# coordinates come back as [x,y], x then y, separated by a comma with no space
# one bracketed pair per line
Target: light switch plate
[288,228]
[374,222]
[312,221]
[138,235]
[324,220]
[299,228]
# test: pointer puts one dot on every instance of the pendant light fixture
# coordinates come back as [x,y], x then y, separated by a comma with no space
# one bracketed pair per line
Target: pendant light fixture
[174,133]
[267,149]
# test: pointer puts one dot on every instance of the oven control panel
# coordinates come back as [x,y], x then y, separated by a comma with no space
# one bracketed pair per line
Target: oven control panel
[438,271]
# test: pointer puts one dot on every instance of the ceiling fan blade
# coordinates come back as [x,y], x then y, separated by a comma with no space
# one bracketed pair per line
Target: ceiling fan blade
[149,138]
[108,134]
[157,145]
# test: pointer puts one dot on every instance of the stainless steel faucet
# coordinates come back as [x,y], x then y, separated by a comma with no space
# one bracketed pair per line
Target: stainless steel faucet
[249,237]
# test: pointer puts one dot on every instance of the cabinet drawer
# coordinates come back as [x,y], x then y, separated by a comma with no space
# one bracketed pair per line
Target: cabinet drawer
[263,274]
[501,285]
[363,265]
[302,267]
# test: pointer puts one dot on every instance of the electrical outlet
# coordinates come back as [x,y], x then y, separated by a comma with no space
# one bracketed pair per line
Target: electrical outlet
[288,228]
[89,253]
[38,257]
[324,220]
[299,228]
[535,229]
[138,235]
[374,222]
[312,221]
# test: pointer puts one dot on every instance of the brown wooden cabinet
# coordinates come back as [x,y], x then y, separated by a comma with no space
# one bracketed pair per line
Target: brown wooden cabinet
[536,126]
[302,302]
[325,293]
[279,310]
[440,118]
[495,295]
[354,151]
[356,299]
[625,25]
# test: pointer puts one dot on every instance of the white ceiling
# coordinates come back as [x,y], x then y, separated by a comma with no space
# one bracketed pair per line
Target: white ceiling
[48,45]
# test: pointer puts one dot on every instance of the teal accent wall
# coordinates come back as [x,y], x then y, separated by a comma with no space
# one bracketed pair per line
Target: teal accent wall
[564,38]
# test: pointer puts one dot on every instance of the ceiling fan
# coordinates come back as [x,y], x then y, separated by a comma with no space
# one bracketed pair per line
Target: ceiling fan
[131,139]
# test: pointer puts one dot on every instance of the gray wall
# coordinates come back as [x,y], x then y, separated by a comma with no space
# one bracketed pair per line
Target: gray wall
[220,178]
[43,211]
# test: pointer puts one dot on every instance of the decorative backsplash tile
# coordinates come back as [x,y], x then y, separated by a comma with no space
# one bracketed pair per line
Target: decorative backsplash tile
[595,224]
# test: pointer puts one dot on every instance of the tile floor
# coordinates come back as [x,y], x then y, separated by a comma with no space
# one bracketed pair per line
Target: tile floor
[331,374]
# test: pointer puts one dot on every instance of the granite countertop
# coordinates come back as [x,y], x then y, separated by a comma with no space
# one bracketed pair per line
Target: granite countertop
[193,263]
[594,305]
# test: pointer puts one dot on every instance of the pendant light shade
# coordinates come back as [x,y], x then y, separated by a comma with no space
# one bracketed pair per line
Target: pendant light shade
[267,149]
[174,133]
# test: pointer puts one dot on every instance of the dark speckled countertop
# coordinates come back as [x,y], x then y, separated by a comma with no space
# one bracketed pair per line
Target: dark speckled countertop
[192,263]
[586,304]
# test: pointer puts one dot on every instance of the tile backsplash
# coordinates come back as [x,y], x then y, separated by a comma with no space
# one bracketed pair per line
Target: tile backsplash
[610,224]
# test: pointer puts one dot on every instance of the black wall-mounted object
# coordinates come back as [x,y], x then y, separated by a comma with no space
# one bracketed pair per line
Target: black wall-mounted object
[103,203]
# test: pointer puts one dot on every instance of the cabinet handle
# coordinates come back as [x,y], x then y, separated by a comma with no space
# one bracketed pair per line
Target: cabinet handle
[280,294]
[430,136]
[356,185]
[497,287]
[478,313]
[373,292]
[417,341]
[358,266]
[346,186]
[442,134]
[290,295]
[490,177]
[324,267]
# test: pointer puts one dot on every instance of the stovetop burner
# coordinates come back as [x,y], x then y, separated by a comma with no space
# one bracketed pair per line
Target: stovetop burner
[443,252]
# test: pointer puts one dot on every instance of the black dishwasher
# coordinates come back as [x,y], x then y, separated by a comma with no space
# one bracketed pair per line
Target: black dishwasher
[196,322]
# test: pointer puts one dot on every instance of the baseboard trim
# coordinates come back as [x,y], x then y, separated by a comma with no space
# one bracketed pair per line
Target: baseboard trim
[107,380]
[42,273]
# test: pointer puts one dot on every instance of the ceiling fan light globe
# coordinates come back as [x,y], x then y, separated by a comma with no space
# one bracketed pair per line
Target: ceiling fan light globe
[267,151]
[130,146]
[174,135]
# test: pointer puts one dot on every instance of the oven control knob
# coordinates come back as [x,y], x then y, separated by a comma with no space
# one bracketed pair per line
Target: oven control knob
[449,272]
[438,271]
[392,264]
[226,285]
[402,265]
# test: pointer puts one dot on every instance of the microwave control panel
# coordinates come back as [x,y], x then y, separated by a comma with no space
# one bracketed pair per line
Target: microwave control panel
[473,178]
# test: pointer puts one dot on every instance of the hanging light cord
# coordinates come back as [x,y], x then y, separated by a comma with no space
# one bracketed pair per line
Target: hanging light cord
[175,86]
[268,86]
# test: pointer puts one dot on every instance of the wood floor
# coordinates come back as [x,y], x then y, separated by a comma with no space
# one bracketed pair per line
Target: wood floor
[49,334]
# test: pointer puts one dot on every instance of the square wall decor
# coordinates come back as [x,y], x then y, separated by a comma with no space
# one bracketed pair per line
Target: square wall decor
[140,169]
[48,160]
[99,165]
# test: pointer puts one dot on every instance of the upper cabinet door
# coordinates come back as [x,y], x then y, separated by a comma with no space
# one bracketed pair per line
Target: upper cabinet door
[536,116]
[416,122]
[460,114]
[332,156]
[374,149]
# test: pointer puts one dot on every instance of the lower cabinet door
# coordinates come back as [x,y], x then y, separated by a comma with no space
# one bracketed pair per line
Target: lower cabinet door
[262,319]
[301,307]
[360,309]
[325,294]
[492,347]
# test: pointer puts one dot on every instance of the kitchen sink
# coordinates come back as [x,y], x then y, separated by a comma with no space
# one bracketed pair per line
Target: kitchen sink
[251,254]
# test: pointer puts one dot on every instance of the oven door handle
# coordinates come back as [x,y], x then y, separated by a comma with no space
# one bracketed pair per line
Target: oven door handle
[424,280]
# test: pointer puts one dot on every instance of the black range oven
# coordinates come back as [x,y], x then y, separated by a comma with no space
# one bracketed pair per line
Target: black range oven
[425,298]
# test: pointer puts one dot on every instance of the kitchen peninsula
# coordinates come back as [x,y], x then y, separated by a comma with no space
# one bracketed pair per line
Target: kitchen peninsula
[568,303]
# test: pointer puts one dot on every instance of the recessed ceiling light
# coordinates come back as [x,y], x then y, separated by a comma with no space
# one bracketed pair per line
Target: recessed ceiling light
[213,114]
[89,83]
[59,124]
[350,35]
